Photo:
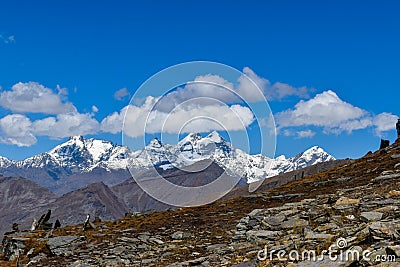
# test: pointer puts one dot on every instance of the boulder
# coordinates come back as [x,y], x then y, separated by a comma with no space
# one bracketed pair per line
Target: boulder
[275,220]
[263,234]
[13,247]
[344,201]
[384,144]
[398,128]
[371,216]
[62,245]
[43,223]
[294,223]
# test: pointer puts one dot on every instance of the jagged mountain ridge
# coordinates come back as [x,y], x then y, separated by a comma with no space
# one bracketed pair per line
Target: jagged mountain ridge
[194,148]
[80,161]
[81,155]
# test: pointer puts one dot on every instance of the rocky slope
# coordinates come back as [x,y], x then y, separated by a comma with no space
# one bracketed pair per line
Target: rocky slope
[79,161]
[352,207]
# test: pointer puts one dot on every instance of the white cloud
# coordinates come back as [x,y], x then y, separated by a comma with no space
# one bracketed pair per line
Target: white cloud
[33,97]
[208,96]
[248,88]
[251,87]
[326,110]
[351,125]
[15,129]
[121,94]
[203,119]
[276,91]
[113,123]
[334,115]
[7,39]
[299,134]
[305,134]
[208,87]
[187,117]
[65,125]
[287,132]
[385,122]
[62,91]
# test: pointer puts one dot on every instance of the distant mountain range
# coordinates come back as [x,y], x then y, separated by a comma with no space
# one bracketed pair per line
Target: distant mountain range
[89,176]
[79,161]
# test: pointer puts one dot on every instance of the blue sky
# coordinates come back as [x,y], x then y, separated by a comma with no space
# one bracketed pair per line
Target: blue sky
[85,52]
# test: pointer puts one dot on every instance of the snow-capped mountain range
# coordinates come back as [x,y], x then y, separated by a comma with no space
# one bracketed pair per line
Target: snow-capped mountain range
[80,157]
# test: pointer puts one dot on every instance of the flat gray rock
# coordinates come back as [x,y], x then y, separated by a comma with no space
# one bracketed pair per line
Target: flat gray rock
[61,245]
[371,216]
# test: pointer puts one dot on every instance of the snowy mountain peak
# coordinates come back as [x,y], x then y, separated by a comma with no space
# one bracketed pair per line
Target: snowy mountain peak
[155,143]
[315,152]
[4,162]
[79,155]
[93,146]
[281,157]
[216,137]
[76,138]
[98,148]
[73,141]
[190,138]
[309,157]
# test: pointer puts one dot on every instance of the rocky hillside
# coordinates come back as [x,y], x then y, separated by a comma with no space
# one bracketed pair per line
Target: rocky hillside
[348,209]
[26,201]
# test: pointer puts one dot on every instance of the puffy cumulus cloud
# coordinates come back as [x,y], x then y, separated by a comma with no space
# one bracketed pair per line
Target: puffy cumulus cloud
[325,109]
[204,119]
[334,115]
[136,117]
[384,122]
[249,88]
[187,117]
[33,97]
[113,123]
[351,125]
[208,87]
[271,91]
[65,125]
[121,94]
[215,98]
[15,129]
